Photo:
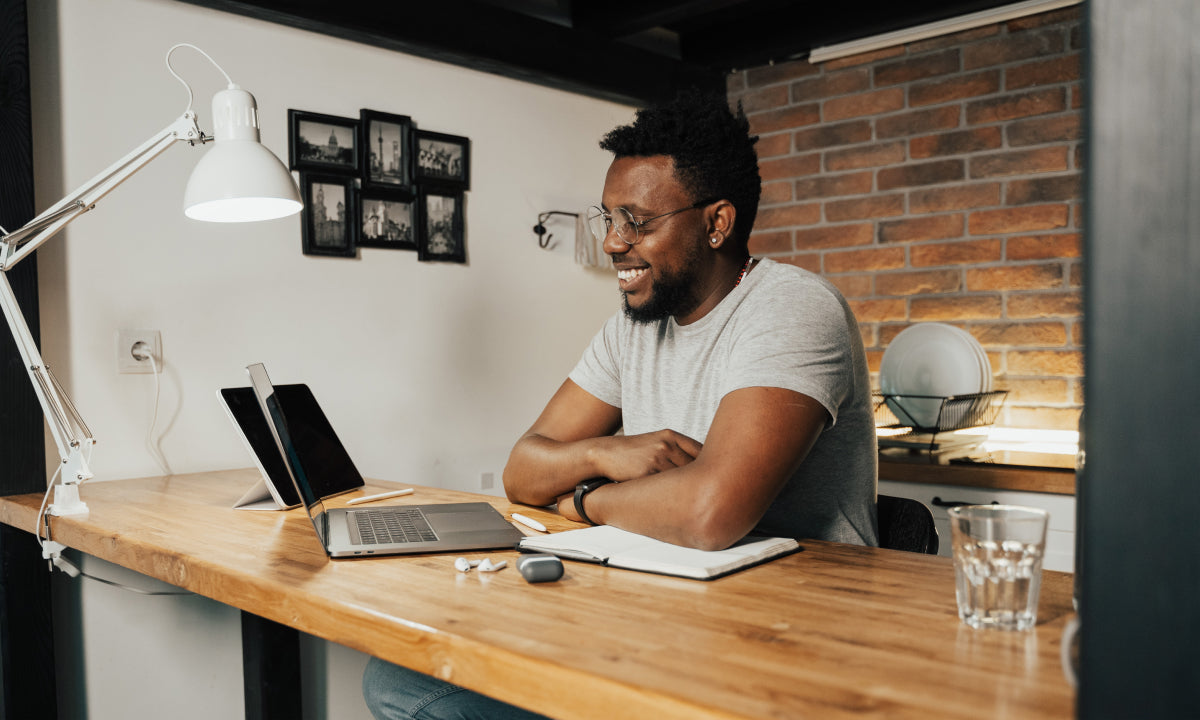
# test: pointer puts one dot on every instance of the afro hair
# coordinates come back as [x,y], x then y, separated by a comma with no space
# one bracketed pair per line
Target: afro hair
[711,146]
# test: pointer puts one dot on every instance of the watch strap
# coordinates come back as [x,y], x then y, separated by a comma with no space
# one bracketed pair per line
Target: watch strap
[581,490]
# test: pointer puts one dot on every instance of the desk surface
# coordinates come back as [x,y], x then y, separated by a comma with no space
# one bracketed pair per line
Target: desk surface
[830,632]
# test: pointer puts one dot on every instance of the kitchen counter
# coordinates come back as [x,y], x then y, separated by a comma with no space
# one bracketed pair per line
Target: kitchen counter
[1002,472]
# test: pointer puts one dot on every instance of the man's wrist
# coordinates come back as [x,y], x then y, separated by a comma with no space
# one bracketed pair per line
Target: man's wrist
[582,490]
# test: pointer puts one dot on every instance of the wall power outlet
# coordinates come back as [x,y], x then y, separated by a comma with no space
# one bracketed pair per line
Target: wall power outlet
[127,339]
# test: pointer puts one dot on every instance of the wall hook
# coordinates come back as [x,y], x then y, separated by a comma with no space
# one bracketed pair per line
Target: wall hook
[540,229]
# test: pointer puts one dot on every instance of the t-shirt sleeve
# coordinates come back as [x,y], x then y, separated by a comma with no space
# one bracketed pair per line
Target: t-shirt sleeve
[798,340]
[599,370]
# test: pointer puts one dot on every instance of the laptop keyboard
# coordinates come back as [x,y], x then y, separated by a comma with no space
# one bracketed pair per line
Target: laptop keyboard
[381,526]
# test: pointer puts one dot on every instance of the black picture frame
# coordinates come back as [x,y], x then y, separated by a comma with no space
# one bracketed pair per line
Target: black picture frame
[443,159]
[442,223]
[328,194]
[386,156]
[387,219]
[323,143]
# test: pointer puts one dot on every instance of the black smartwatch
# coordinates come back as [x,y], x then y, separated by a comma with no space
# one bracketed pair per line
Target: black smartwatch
[583,489]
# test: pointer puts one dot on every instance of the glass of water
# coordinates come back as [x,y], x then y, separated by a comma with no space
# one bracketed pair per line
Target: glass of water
[998,553]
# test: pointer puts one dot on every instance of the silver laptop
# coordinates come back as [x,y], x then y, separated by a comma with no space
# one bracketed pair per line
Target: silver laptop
[361,532]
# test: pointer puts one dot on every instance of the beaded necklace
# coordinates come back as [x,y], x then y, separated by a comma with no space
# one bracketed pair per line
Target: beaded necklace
[745,269]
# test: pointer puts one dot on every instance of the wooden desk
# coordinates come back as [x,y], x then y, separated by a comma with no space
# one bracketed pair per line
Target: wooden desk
[833,631]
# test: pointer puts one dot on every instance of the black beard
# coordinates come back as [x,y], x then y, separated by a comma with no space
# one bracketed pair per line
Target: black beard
[671,294]
[667,300]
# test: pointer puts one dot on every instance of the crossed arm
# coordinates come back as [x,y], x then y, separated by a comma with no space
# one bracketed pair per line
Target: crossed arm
[668,485]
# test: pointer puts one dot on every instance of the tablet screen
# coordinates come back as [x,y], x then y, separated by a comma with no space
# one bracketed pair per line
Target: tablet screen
[328,465]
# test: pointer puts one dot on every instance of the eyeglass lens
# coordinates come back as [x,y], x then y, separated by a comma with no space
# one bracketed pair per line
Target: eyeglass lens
[600,222]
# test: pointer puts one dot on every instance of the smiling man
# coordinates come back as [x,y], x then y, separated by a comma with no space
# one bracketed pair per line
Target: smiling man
[740,385]
[729,396]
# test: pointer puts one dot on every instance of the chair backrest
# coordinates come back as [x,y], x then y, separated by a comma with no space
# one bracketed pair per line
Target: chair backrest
[906,524]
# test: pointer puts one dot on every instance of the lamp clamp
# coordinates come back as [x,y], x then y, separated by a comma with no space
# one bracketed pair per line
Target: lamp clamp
[52,551]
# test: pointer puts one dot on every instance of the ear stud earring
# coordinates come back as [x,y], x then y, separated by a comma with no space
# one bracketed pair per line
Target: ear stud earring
[714,239]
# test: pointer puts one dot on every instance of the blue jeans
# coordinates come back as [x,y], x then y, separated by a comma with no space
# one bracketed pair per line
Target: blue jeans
[396,693]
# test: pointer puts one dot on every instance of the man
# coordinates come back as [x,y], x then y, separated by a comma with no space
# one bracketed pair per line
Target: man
[739,387]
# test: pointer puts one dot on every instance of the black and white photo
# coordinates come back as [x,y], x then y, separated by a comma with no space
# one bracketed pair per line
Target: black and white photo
[444,159]
[442,235]
[324,143]
[386,141]
[377,181]
[328,227]
[387,220]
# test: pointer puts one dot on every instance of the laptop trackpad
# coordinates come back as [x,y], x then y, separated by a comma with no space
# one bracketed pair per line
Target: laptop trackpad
[453,522]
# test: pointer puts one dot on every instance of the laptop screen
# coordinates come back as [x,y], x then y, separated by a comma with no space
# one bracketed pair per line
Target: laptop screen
[317,463]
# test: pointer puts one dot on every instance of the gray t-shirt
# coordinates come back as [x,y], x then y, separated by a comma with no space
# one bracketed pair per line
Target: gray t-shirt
[781,327]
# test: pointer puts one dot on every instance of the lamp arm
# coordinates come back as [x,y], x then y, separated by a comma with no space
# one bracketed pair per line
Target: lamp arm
[16,245]
[71,435]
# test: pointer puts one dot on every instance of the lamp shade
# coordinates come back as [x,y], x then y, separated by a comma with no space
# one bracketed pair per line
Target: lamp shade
[239,180]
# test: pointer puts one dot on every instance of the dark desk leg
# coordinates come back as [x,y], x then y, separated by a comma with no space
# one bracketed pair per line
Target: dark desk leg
[271,667]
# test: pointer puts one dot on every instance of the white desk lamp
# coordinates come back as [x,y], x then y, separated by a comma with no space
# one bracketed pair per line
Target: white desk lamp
[238,180]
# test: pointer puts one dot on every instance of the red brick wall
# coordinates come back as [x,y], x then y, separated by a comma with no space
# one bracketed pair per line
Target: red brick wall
[939,181]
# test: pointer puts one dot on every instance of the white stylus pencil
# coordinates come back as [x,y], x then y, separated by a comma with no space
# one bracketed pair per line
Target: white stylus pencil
[381,496]
[529,522]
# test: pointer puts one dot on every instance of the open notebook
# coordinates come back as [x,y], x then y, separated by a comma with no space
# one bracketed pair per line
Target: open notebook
[619,548]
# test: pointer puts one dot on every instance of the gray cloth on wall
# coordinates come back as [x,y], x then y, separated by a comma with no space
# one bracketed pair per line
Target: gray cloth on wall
[589,251]
[782,327]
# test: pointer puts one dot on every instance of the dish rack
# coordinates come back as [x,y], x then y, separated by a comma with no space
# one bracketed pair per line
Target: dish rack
[955,412]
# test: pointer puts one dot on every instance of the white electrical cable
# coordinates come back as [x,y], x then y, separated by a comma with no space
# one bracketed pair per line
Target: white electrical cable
[151,443]
[189,87]
[54,556]
[37,531]
[138,590]
[41,516]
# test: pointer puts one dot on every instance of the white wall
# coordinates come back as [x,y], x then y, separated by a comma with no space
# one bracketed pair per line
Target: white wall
[428,371]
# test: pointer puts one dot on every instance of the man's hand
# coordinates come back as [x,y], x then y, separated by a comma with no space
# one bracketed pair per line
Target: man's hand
[667,488]
[622,457]
[758,438]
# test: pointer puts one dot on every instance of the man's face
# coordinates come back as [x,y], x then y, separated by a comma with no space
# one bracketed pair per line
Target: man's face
[657,276]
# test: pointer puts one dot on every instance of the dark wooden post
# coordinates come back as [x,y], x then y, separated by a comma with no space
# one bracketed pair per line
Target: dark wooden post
[26,637]
[1139,498]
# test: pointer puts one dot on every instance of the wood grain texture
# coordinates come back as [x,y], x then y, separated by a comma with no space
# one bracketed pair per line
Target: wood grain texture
[832,631]
[995,477]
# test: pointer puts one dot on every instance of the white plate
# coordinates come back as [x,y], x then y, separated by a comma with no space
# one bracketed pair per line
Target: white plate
[985,365]
[930,359]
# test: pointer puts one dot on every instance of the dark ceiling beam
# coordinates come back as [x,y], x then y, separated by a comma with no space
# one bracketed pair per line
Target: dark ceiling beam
[621,18]
[762,32]
[490,39]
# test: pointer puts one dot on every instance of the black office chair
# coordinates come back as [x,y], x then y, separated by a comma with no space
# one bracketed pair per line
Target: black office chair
[906,524]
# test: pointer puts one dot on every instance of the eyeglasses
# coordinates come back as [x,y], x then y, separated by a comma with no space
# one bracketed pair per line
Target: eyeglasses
[601,223]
